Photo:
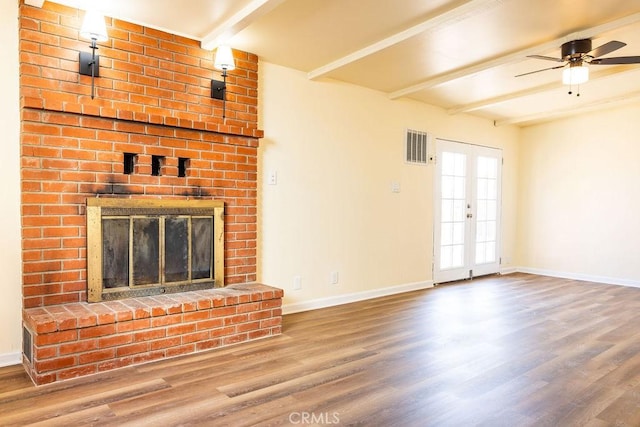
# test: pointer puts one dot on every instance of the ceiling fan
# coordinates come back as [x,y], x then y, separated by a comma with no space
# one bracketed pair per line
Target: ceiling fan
[577,54]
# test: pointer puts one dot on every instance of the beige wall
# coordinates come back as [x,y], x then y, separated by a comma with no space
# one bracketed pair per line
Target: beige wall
[10,293]
[579,204]
[336,149]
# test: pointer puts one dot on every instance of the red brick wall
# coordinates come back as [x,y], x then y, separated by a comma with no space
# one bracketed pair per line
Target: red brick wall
[143,73]
[152,98]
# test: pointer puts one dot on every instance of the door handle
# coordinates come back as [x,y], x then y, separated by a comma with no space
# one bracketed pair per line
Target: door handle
[469,215]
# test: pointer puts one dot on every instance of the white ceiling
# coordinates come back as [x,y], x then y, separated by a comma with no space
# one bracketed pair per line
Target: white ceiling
[459,55]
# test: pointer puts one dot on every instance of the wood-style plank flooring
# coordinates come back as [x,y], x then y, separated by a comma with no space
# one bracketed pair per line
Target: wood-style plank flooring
[516,350]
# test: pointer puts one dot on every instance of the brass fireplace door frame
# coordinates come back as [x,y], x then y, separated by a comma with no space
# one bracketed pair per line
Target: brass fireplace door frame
[99,208]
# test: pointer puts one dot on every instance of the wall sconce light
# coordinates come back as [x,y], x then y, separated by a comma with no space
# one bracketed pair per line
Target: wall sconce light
[223,62]
[94,29]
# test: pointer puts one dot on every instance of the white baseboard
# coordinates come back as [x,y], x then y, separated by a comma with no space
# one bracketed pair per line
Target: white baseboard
[392,290]
[297,307]
[509,270]
[580,276]
[10,359]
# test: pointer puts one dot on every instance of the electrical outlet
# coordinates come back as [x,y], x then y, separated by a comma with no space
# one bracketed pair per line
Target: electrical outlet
[297,283]
[334,278]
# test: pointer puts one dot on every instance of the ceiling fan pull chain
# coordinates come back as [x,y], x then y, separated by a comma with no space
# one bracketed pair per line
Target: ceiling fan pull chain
[577,90]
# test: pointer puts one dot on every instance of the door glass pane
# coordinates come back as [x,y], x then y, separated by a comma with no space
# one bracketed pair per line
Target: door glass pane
[481,252]
[482,167]
[448,163]
[492,189]
[447,210]
[453,202]
[491,231]
[491,210]
[492,167]
[458,188]
[486,205]
[481,231]
[445,256]
[458,233]
[491,252]
[446,237]
[447,187]
[481,210]
[457,259]
[482,188]
[459,210]
[460,161]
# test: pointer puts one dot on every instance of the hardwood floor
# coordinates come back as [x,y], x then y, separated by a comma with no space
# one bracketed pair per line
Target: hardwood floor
[516,350]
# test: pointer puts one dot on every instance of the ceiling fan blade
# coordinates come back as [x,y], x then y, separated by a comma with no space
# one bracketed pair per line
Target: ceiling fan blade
[546,58]
[617,60]
[606,48]
[537,71]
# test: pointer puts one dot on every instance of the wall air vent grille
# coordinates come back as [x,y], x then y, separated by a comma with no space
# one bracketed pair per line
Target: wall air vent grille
[415,147]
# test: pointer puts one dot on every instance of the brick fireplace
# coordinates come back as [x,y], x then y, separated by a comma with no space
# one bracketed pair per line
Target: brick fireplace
[152,133]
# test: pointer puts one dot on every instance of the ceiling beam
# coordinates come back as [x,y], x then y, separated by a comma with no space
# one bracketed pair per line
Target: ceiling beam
[456,13]
[554,114]
[238,22]
[606,72]
[587,33]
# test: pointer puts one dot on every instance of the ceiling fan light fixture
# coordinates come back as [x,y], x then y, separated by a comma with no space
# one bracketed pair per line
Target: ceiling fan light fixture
[575,74]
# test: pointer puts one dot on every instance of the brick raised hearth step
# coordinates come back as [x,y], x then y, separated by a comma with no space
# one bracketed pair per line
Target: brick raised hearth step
[72,340]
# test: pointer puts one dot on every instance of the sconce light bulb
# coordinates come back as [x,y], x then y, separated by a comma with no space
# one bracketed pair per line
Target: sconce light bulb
[94,27]
[224,59]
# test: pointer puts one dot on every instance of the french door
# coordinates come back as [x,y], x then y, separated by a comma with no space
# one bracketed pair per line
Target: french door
[466,211]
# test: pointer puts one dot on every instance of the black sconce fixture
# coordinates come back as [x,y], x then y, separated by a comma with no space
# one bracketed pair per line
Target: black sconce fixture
[94,29]
[223,62]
